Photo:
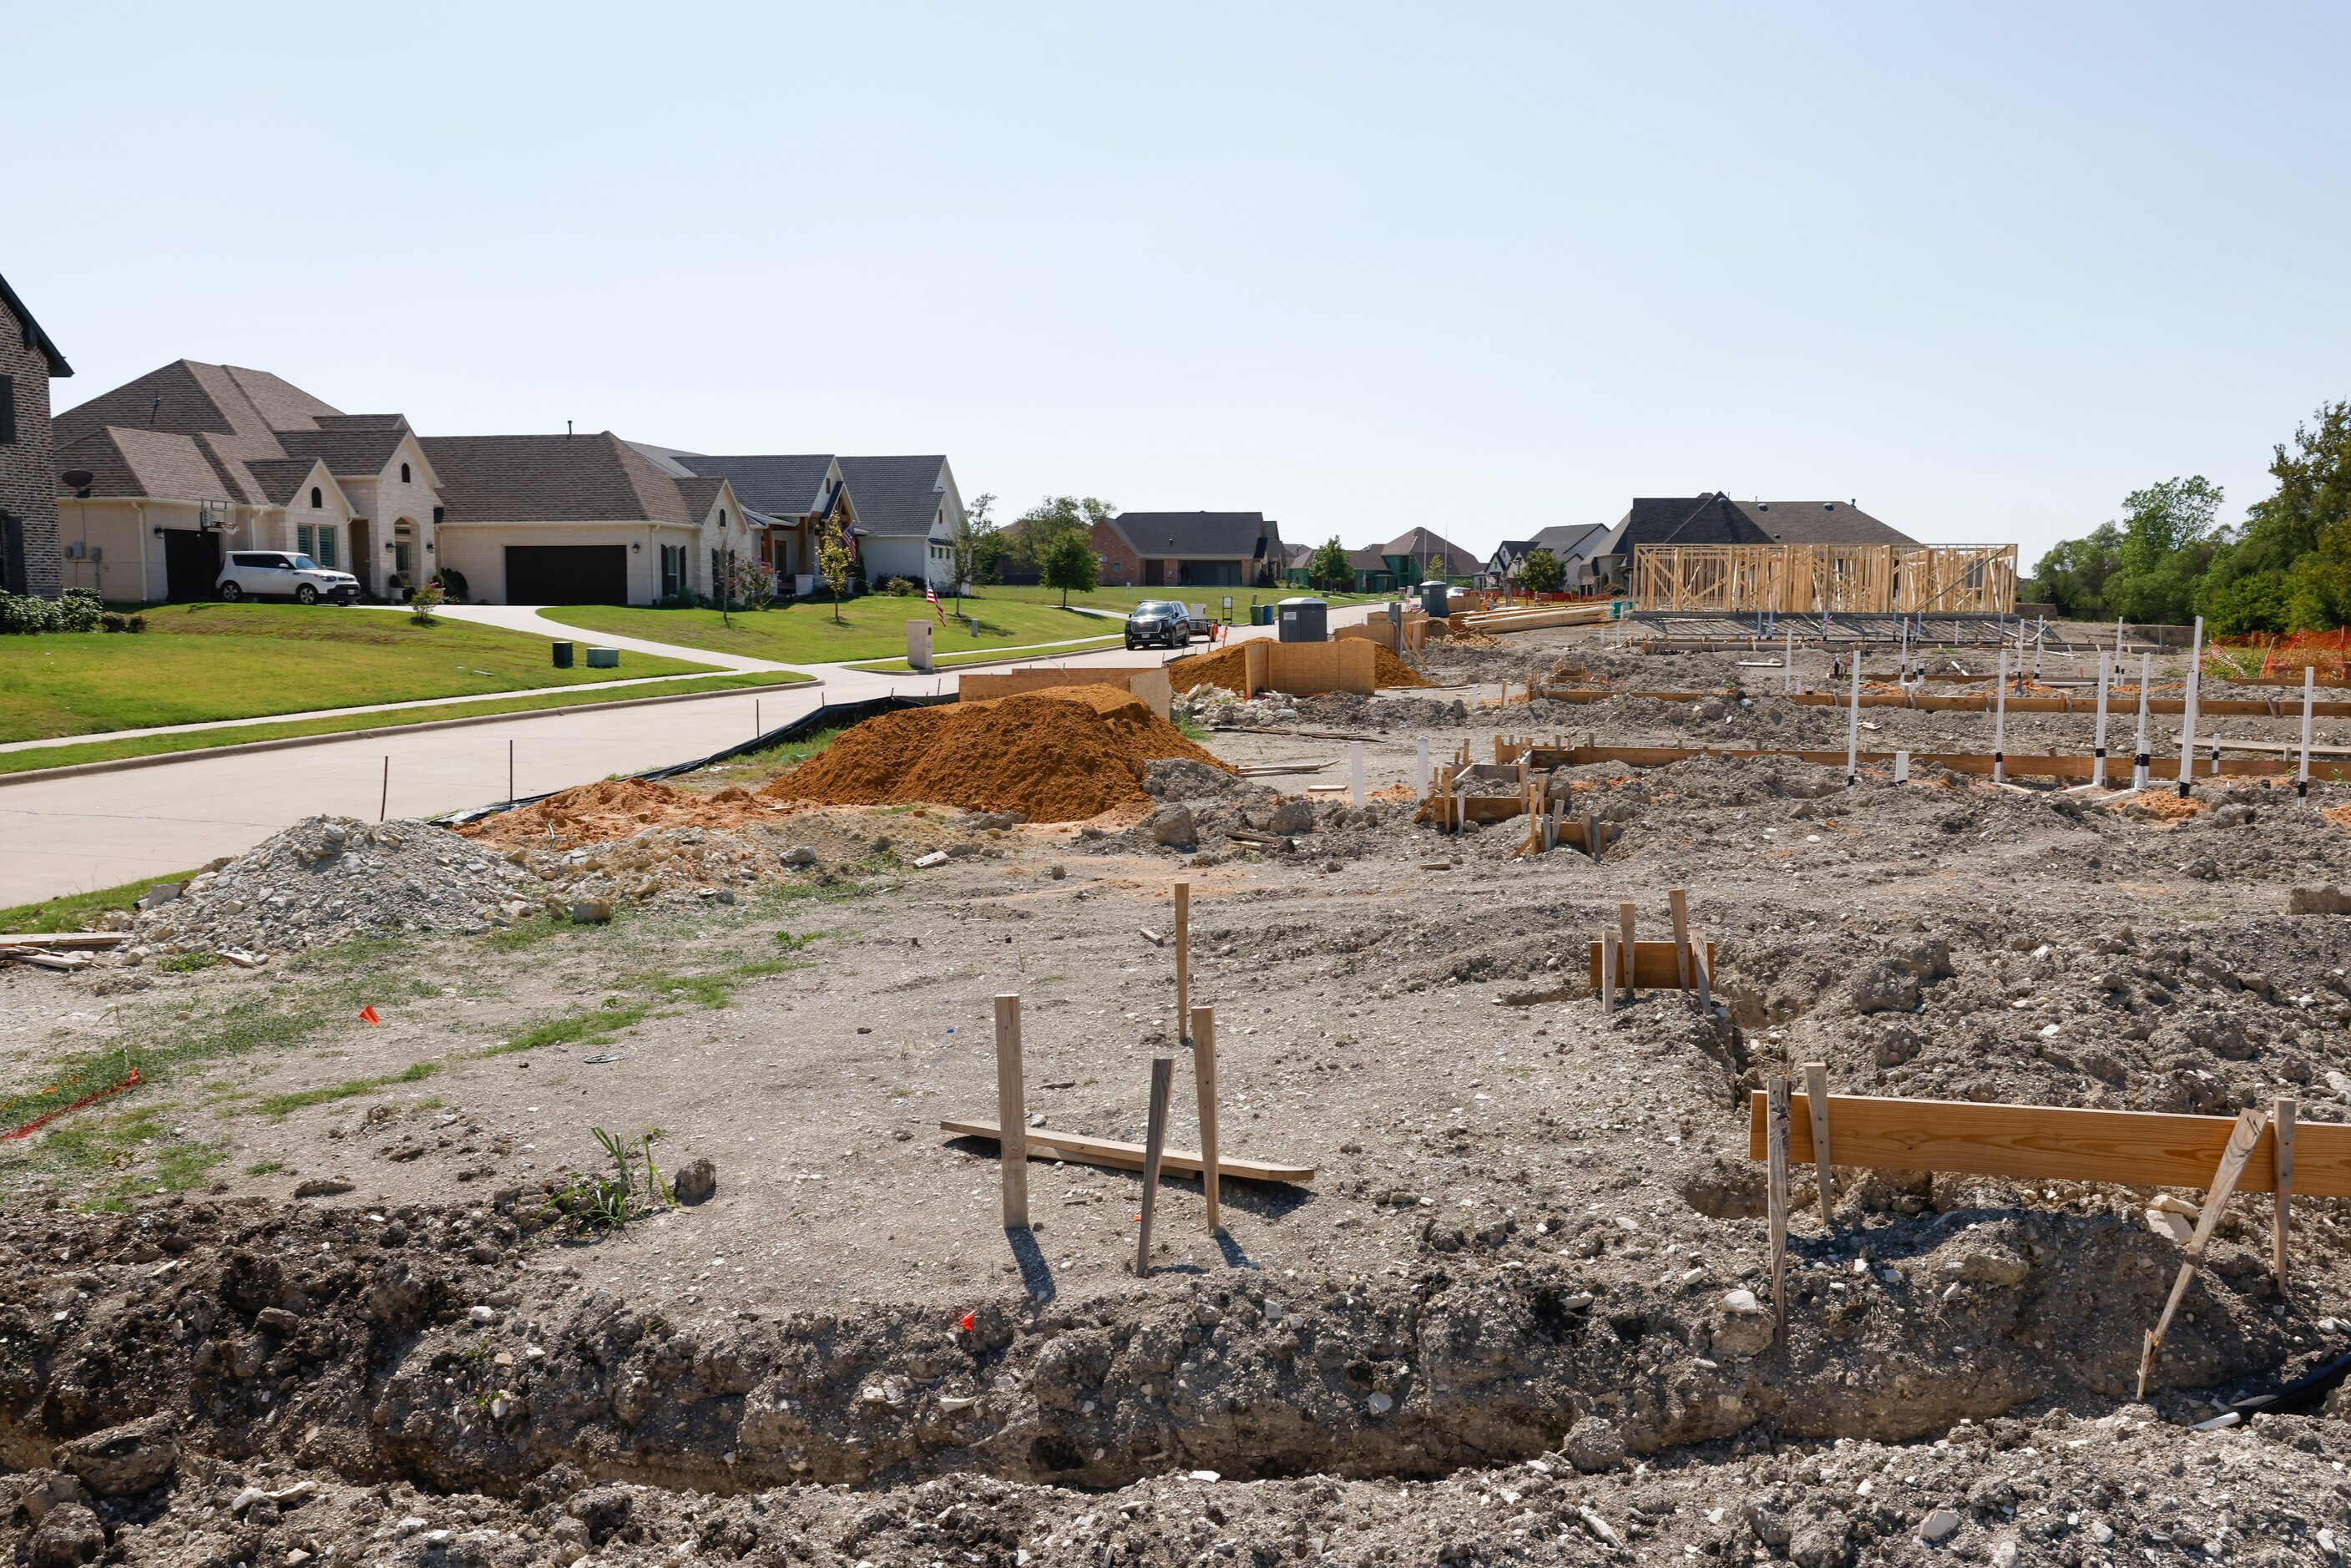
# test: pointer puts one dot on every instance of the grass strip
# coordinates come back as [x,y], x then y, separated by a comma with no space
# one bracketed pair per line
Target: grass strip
[1043,652]
[78,911]
[205,741]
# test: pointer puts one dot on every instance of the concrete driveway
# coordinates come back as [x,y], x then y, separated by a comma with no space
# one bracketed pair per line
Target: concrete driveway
[70,835]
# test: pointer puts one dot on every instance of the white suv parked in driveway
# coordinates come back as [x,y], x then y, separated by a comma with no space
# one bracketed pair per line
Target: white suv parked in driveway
[283,574]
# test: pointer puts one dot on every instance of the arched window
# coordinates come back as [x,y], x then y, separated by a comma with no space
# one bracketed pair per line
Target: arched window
[722,516]
[403,473]
[315,501]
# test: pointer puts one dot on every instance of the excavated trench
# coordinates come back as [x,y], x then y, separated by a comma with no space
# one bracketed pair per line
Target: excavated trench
[443,1348]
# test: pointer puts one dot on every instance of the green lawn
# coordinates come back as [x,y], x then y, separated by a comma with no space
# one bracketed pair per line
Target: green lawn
[200,740]
[202,661]
[1122,598]
[950,661]
[873,627]
[79,911]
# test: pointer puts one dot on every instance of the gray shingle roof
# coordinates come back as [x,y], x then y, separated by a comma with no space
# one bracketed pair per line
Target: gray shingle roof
[347,453]
[700,494]
[1819,523]
[1717,519]
[552,479]
[1422,543]
[1214,534]
[894,495]
[31,329]
[784,487]
[282,478]
[157,463]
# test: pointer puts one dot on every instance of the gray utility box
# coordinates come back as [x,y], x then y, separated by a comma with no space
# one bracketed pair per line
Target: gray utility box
[1436,599]
[1304,620]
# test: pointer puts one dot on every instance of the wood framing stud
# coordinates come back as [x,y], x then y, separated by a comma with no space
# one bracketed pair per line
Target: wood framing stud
[1183,955]
[1627,966]
[1776,1190]
[2282,1121]
[2241,1139]
[1154,1141]
[1606,947]
[1011,1113]
[1678,901]
[1816,1102]
[1204,1079]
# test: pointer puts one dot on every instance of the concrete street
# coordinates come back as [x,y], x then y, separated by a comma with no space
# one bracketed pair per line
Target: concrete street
[69,835]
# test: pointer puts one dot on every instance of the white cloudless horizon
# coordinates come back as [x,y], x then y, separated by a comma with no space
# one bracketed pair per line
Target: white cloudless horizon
[1363,268]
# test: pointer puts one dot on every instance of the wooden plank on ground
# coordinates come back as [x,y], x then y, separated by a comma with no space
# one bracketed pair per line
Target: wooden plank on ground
[68,939]
[1044,1143]
[1656,966]
[2053,1142]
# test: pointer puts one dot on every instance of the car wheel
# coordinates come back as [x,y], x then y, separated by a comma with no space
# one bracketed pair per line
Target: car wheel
[306,595]
[1131,645]
[231,591]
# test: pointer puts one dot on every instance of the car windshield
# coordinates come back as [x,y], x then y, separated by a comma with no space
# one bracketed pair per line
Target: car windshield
[1159,606]
[304,563]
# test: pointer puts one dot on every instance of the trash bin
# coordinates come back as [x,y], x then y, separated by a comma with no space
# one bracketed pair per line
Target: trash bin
[1436,599]
[1305,620]
[603,658]
[563,655]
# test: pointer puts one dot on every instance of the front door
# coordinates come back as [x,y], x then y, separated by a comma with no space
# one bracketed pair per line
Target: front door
[191,563]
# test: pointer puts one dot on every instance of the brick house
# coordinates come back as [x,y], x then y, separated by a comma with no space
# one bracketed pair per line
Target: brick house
[1190,549]
[29,559]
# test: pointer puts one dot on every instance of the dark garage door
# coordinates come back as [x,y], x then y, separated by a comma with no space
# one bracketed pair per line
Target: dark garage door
[567,574]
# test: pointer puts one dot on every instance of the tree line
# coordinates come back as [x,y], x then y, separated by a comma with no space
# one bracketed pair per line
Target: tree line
[2167,559]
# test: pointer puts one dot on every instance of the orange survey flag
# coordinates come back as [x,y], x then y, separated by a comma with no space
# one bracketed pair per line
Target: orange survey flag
[367,1015]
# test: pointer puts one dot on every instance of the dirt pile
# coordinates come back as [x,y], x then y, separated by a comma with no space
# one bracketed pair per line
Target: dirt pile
[331,879]
[1227,668]
[1391,670]
[617,809]
[1053,756]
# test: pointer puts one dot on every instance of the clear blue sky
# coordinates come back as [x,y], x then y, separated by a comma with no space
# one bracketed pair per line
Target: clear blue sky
[1983,268]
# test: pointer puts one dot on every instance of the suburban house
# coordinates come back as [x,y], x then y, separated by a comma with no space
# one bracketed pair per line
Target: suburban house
[900,512]
[152,480]
[1717,519]
[1404,561]
[580,519]
[1190,549]
[1572,544]
[29,559]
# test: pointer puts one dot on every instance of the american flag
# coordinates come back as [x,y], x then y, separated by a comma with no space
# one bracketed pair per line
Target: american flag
[931,592]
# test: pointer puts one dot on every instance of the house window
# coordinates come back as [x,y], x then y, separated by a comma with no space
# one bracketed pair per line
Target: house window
[8,411]
[403,473]
[400,557]
[325,555]
[673,571]
[315,500]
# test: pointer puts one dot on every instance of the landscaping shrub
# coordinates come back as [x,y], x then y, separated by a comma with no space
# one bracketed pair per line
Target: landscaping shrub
[24,615]
[453,584]
[424,601]
[899,587]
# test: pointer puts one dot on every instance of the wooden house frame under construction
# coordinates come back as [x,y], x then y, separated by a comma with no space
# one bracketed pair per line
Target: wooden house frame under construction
[1825,578]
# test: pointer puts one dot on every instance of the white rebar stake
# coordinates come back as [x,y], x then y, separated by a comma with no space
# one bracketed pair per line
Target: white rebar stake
[1787,665]
[1420,767]
[2098,750]
[2188,712]
[2140,756]
[1852,728]
[1355,772]
[2309,690]
[1902,767]
[2000,723]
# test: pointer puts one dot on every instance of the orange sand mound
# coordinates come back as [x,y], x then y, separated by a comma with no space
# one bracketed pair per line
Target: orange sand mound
[1055,756]
[1392,671]
[2162,806]
[615,809]
[1229,666]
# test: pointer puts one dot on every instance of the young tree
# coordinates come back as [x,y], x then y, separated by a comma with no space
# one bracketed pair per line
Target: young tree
[836,562]
[1031,535]
[1329,564]
[2167,541]
[1436,567]
[1069,565]
[973,547]
[1540,572]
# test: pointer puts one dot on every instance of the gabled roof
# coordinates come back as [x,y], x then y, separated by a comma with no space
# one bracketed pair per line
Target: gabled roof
[1717,519]
[895,495]
[348,452]
[144,463]
[552,479]
[1819,523]
[701,495]
[783,486]
[31,329]
[1159,535]
[1420,544]
[282,479]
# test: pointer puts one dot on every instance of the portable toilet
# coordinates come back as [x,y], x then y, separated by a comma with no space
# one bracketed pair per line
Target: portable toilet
[1305,620]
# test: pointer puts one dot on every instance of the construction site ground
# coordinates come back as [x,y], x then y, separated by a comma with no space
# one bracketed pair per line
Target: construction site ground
[1520,1313]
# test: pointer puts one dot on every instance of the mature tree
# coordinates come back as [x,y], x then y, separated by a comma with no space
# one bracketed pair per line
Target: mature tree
[2168,540]
[2073,575]
[2290,567]
[1071,565]
[1030,537]
[1540,572]
[836,562]
[1329,564]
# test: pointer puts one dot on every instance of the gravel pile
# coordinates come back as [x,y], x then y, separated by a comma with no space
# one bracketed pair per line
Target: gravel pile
[331,879]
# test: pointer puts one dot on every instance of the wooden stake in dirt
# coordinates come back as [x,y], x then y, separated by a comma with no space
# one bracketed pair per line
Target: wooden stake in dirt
[1592,834]
[1678,901]
[1183,955]
[1776,1196]
[1626,968]
[1607,974]
[1011,1113]
[2301,776]
[1420,767]
[1355,772]
[2241,1139]
[2140,756]
[1154,1141]
[2188,712]
[1852,728]
[1999,722]
[1787,665]
[2098,750]
[1204,1081]
[383,802]
[2281,1122]
[1816,1102]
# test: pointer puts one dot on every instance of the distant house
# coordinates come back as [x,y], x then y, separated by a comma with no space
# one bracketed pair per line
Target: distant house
[907,510]
[585,519]
[1572,544]
[901,513]
[1717,519]
[153,479]
[29,559]
[1190,549]
[1407,558]
[791,500]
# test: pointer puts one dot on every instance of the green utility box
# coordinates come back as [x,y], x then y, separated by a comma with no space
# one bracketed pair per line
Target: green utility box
[603,658]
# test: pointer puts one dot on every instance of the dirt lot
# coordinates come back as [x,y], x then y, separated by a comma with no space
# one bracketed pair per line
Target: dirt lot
[352,1278]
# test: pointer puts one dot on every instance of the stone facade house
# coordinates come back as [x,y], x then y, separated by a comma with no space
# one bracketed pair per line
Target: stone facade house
[901,513]
[29,557]
[1190,549]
